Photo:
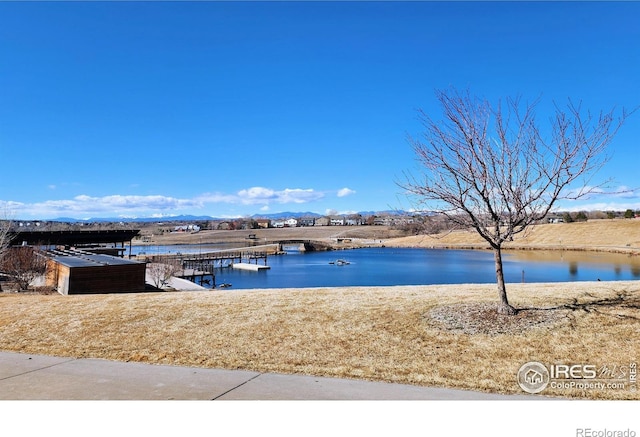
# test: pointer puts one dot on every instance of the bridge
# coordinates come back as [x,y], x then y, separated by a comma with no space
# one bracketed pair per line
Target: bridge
[303,245]
[219,258]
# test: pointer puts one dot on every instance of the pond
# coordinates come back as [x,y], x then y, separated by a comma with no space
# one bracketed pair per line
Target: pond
[390,266]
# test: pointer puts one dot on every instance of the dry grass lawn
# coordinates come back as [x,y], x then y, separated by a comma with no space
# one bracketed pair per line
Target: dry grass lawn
[604,235]
[422,335]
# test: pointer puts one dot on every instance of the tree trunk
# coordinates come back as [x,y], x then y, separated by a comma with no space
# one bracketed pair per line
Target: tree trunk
[503,307]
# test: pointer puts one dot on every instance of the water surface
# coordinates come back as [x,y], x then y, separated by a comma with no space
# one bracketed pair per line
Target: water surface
[390,266]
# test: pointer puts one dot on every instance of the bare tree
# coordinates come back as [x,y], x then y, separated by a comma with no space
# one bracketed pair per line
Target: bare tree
[162,271]
[492,168]
[5,228]
[4,237]
[23,264]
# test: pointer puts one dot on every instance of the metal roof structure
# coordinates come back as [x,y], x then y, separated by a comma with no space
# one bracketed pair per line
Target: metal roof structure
[80,258]
[72,238]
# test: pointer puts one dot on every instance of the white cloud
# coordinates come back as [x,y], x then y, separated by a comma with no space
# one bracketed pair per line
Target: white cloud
[10,205]
[157,205]
[261,195]
[624,192]
[345,192]
[597,206]
[590,192]
[115,204]
[253,195]
[618,198]
[215,198]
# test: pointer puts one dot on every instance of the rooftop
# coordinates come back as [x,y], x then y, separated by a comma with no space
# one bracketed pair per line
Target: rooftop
[72,238]
[80,258]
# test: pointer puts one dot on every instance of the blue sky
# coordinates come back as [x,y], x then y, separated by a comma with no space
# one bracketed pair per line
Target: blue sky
[119,109]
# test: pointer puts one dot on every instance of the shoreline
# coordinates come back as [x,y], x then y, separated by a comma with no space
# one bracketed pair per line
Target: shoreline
[632,251]
[613,236]
[602,249]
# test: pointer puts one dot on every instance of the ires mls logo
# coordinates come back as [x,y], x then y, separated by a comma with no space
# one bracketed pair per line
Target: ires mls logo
[577,371]
[533,377]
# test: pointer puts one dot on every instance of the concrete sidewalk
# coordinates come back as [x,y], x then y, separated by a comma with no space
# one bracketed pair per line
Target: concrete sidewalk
[39,377]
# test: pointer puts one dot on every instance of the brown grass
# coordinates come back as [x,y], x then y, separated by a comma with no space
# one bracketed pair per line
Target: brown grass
[420,335]
[604,235]
[272,234]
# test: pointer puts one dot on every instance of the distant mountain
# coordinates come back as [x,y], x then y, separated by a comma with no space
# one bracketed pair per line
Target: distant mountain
[134,219]
[173,218]
[195,218]
[285,215]
[385,212]
[62,220]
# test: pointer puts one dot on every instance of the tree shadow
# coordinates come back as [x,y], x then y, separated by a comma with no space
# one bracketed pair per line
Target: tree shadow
[604,306]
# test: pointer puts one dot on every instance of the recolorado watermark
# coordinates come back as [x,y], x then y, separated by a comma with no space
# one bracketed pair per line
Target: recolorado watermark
[534,377]
[590,432]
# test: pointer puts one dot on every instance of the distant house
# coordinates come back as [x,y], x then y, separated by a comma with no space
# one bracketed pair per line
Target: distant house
[337,221]
[245,224]
[187,228]
[263,223]
[307,221]
[321,221]
[381,221]
[225,226]
[291,223]
[277,223]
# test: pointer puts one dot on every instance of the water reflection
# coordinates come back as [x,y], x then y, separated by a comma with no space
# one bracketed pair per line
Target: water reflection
[573,268]
[618,265]
[389,266]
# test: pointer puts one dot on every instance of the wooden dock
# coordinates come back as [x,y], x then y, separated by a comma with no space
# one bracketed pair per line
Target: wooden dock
[200,268]
[200,277]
